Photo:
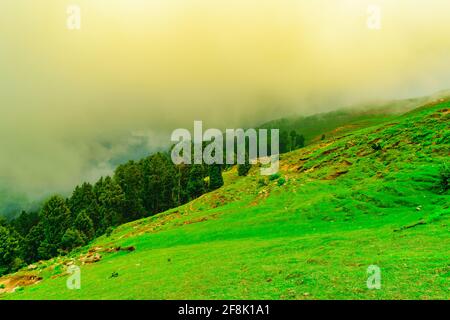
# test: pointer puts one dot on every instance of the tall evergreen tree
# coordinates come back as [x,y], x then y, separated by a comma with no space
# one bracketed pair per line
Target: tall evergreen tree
[130,178]
[9,250]
[160,182]
[32,243]
[181,193]
[244,168]
[196,184]
[112,202]
[71,239]
[215,176]
[85,226]
[84,198]
[300,141]
[284,141]
[56,218]
[24,222]
[292,140]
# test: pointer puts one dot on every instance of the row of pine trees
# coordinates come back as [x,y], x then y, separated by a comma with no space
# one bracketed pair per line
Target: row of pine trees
[136,189]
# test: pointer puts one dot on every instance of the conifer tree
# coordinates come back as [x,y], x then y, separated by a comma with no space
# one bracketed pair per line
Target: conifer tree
[215,176]
[196,184]
[244,168]
[85,226]
[130,178]
[9,250]
[55,217]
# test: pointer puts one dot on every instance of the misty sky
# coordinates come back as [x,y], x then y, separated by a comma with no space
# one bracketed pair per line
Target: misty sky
[73,101]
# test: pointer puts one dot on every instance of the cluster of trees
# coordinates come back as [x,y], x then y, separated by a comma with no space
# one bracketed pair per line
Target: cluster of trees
[137,189]
[290,141]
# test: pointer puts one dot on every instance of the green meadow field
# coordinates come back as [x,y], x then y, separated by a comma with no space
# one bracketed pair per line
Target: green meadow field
[367,196]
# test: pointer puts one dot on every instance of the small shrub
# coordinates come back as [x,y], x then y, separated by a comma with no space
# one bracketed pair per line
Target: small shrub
[109,231]
[281,181]
[262,182]
[114,275]
[2,286]
[274,176]
[376,146]
[17,263]
[444,177]
[243,169]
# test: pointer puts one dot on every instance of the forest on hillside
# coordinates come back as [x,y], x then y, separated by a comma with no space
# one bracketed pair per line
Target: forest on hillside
[137,189]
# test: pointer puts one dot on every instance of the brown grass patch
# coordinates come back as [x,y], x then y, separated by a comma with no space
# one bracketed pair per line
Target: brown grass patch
[11,283]
[336,175]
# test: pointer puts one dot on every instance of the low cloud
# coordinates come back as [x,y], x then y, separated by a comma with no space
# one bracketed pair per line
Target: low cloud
[75,103]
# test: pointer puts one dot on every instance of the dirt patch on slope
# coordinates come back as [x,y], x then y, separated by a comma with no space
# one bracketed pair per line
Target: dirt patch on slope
[336,175]
[11,283]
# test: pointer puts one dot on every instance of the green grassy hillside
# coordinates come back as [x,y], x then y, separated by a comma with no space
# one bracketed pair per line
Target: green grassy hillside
[367,197]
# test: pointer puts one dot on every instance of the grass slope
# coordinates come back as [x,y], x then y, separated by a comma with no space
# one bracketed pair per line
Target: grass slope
[344,206]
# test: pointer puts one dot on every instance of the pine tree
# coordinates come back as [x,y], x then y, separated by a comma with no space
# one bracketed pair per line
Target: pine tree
[112,204]
[56,218]
[71,239]
[243,169]
[24,222]
[85,226]
[9,250]
[284,142]
[292,140]
[181,193]
[159,182]
[300,141]
[196,184]
[130,178]
[32,243]
[84,198]
[215,176]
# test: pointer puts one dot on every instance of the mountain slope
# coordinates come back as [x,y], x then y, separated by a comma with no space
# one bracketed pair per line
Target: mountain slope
[369,197]
[348,119]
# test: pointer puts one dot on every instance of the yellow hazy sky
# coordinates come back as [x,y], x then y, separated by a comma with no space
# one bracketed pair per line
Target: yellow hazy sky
[71,100]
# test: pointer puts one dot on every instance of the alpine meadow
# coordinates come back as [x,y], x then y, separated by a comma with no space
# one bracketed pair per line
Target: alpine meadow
[225,150]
